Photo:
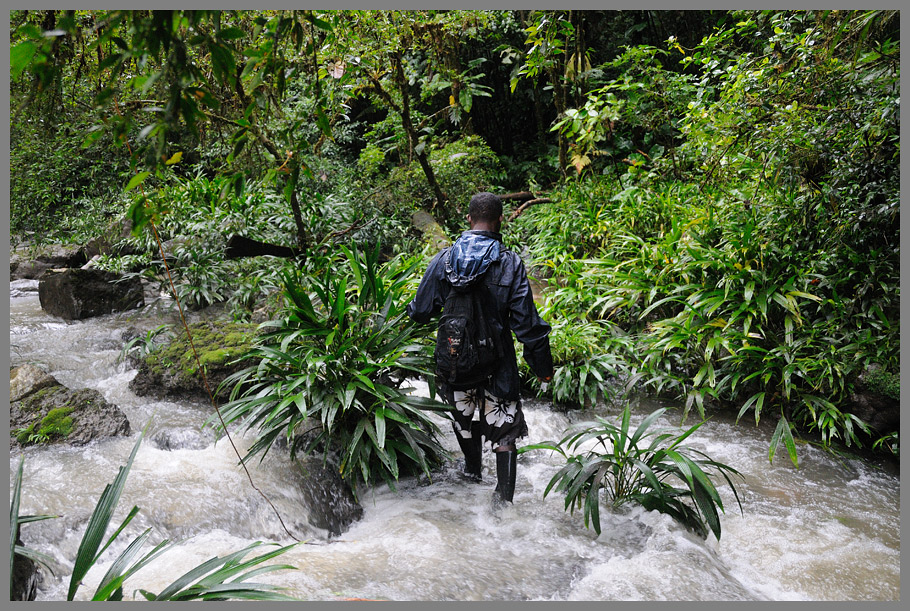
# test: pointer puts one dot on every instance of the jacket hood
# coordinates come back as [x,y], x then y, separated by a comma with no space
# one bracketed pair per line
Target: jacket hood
[470,256]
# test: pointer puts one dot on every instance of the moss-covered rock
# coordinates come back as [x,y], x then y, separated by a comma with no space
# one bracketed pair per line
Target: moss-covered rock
[172,371]
[52,413]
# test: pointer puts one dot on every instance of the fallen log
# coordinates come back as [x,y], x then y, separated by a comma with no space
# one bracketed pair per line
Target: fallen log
[520,196]
[239,247]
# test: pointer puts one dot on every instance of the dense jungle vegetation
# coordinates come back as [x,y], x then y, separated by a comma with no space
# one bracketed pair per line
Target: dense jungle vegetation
[717,217]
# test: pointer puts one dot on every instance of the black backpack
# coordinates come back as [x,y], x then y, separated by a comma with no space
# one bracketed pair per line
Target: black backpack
[467,349]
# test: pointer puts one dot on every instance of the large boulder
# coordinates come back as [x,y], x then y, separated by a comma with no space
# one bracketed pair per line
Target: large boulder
[74,294]
[331,503]
[44,411]
[172,372]
[431,230]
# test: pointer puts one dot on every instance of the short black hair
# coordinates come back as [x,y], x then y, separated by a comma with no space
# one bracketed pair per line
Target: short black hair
[485,207]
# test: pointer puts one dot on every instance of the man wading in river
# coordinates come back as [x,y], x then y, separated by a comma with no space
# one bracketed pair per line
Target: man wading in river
[499,301]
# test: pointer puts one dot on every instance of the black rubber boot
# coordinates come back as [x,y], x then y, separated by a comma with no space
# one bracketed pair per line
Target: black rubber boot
[472,456]
[505,475]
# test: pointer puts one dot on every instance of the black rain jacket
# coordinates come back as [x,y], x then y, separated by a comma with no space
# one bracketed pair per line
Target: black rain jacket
[480,256]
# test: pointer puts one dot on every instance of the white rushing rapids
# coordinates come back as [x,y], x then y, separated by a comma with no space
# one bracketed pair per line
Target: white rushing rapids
[829,530]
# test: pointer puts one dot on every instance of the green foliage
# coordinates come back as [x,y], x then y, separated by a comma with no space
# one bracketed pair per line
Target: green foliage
[371,159]
[15,521]
[30,435]
[56,184]
[718,299]
[884,383]
[330,372]
[889,443]
[649,466]
[462,168]
[200,276]
[638,110]
[141,346]
[587,358]
[732,236]
[754,283]
[801,111]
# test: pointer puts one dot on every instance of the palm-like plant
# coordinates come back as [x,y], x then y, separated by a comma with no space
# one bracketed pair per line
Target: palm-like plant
[330,373]
[650,467]
[15,521]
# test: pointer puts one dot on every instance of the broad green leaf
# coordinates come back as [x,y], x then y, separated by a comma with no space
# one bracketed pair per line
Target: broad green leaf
[231,33]
[380,427]
[136,180]
[20,56]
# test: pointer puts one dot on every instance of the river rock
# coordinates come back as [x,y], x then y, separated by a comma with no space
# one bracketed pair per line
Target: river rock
[182,439]
[172,372]
[33,263]
[74,294]
[876,400]
[330,501]
[44,411]
[880,412]
[27,379]
[25,577]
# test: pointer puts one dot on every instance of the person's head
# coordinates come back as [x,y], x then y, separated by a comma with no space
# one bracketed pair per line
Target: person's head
[485,212]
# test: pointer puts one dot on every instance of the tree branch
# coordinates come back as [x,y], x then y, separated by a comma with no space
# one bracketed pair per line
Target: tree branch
[528,204]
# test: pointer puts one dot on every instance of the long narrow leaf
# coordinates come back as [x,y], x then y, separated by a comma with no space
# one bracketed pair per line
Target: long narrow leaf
[14,520]
[87,554]
[782,433]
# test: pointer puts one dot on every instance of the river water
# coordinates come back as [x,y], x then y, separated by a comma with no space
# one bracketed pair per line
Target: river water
[829,530]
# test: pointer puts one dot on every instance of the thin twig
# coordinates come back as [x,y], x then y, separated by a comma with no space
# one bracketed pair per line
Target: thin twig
[199,366]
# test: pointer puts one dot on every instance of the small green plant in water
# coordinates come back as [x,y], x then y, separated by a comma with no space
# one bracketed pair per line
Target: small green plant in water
[650,466]
[142,345]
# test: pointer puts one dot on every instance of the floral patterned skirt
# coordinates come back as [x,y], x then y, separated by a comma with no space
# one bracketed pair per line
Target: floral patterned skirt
[501,422]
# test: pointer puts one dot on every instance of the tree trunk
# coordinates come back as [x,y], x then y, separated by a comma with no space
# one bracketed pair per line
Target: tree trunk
[295,205]
[408,125]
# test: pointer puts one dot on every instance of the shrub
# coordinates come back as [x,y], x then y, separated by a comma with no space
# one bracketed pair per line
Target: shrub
[331,370]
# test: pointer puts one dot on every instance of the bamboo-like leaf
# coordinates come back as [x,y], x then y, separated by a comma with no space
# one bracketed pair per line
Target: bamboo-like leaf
[782,433]
[124,566]
[14,520]
[87,554]
[753,399]
[36,556]
[645,425]
[380,427]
